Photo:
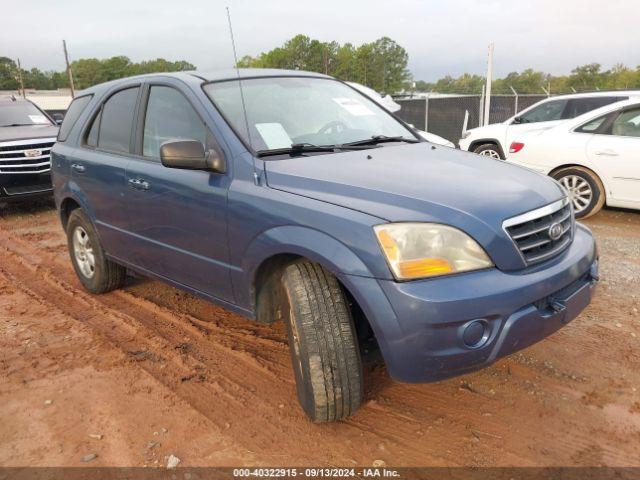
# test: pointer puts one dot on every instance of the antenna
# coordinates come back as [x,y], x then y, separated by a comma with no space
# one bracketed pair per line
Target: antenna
[256,176]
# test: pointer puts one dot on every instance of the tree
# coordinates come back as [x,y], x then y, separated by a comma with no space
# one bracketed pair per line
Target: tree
[381,65]
[8,74]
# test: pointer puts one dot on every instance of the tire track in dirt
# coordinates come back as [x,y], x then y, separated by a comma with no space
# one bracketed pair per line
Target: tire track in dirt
[517,412]
[48,281]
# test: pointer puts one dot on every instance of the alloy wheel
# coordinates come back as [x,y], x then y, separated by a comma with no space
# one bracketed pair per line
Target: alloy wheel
[83,252]
[579,190]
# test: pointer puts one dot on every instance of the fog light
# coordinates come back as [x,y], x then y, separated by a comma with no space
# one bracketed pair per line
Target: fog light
[475,333]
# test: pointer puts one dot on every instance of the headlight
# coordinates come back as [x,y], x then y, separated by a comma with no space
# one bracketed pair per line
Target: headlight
[420,250]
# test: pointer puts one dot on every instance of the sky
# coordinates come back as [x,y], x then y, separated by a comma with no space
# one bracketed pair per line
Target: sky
[446,37]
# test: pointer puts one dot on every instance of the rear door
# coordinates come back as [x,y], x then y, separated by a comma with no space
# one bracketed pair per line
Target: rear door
[178,218]
[616,152]
[98,169]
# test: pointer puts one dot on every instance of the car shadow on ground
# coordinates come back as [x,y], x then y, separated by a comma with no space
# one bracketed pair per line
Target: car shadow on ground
[26,207]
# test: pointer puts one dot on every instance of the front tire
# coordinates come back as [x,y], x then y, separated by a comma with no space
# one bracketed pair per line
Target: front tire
[96,273]
[489,150]
[323,343]
[584,189]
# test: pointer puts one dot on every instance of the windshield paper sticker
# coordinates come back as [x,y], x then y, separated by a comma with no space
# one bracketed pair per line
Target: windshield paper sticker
[274,135]
[38,119]
[354,107]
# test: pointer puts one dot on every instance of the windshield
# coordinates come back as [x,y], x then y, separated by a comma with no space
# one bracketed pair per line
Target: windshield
[21,113]
[285,111]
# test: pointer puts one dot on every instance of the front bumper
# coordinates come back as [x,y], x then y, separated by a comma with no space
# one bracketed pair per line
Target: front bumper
[21,186]
[421,326]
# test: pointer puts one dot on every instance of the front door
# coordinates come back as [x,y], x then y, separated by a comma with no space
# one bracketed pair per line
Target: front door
[617,154]
[177,218]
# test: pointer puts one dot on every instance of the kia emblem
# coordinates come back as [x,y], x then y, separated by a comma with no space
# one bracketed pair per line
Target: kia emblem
[555,231]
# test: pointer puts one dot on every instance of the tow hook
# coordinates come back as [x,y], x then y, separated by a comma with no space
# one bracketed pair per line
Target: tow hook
[557,306]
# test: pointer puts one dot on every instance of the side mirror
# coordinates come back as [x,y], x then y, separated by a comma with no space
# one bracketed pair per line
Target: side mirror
[517,120]
[191,155]
[58,118]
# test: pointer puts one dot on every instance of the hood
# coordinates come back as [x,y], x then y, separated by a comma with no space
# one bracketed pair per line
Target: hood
[411,182]
[8,134]
[422,183]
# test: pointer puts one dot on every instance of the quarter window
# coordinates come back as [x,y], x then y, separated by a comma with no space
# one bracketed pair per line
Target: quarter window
[116,121]
[75,109]
[169,117]
[593,125]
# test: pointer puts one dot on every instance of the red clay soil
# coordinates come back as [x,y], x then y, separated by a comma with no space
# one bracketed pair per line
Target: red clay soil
[150,371]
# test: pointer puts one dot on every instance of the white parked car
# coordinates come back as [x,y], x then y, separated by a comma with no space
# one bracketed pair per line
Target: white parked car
[494,140]
[595,157]
[388,103]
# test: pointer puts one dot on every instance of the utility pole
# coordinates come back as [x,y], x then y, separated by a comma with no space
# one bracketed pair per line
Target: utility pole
[487,102]
[481,109]
[20,79]
[69,73]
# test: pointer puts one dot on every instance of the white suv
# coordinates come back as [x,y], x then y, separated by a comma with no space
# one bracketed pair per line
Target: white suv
[494,140]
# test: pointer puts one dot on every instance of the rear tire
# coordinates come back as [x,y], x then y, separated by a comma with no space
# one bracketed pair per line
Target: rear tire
[584,189]
[489,150]
[323,343]
[96,273]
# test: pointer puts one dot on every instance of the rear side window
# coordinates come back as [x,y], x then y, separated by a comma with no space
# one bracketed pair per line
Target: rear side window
[116,121]
[75,109]
[578,106]
[627,124]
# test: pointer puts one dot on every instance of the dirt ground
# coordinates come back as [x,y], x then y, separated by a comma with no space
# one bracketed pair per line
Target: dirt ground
[149,371]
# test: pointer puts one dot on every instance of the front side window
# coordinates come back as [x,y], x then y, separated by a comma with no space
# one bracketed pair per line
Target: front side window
[282,111]
[75,109]
[116,121]
[547,112]
[21,113]
[169,117]
[627,124]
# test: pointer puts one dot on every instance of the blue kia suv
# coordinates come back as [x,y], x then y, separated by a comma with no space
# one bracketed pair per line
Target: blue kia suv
[287,195]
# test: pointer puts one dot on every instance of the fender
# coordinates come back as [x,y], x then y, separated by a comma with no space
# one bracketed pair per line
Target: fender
[498,143]
[303,241]
[73,192]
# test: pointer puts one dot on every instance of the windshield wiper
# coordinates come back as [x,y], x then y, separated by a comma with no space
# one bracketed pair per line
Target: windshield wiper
[18,125]
[379,139]
[300,148]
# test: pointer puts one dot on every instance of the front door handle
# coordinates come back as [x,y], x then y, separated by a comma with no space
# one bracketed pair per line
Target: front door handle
[76,167]
[139,184]
[607,153]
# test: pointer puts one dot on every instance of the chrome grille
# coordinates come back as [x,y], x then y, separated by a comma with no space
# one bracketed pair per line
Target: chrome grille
[26,156]
[542,233]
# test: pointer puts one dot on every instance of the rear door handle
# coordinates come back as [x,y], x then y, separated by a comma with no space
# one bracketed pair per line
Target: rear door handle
[76,167]
[139,184]
[607,153]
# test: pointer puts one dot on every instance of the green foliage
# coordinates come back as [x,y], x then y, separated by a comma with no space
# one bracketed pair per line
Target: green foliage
[381,65]
[86,72]
[584,78]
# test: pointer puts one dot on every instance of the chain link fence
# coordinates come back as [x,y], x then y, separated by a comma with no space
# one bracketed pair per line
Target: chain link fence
[444,115]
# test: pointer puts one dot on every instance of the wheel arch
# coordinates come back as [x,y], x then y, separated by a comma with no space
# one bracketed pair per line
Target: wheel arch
[595,172]
[493,141]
